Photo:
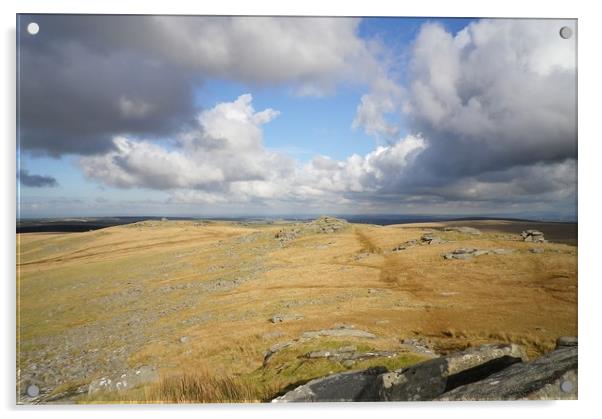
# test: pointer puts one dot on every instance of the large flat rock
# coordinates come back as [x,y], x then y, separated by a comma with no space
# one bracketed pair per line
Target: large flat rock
[429,379]
[553,376]
[351,386]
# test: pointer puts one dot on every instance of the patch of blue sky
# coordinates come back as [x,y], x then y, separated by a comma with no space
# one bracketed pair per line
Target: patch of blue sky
[307,125]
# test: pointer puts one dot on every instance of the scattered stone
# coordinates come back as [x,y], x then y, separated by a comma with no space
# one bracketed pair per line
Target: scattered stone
[468,253]
[463,253]
[348,353]
[350,386]
[275,349]
[553,376]
[279,318]
[405,245]
[124,381]
[184,339]
[537,250]
[431,239]
[464,230]
[418,346]
[338,333]
[535,236]
[566,341]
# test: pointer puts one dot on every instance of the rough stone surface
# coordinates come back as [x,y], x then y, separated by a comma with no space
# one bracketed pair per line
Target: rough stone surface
[321,225]
[338,333]
[534,236]
[348,353]
[566,341]
[468,253]
[429,379]
[350,386]
[542,378]
[489,372]
[431,239]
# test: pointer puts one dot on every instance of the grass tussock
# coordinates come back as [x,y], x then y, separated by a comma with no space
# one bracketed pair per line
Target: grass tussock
[200,387]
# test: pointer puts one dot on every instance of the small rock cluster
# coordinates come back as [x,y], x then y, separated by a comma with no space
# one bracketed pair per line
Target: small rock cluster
[431,239]
[534,236]
[321,225]
[348,355]
[280,318]
[339,330]
[468,253]
[405,245]
[124,381]
[489,372]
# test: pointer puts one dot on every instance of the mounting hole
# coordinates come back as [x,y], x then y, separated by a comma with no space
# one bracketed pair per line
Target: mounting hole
[33,28]
[566,32]
[33,390]
[566,386]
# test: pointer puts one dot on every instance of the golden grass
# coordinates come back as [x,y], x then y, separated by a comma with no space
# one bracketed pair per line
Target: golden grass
[201,386]
[121,274]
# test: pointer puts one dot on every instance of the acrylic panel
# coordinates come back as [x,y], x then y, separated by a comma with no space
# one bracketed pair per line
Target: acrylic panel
[217,209]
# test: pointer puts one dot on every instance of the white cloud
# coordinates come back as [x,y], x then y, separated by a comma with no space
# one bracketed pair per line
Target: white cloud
[227,147]
[225,160]
[491,111]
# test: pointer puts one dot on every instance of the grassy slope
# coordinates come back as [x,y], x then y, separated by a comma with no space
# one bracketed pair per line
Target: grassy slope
[100,302]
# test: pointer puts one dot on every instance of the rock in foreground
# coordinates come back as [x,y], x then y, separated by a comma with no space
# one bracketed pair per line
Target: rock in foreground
[352,386]
[432,378]
[489,372]
[553,376]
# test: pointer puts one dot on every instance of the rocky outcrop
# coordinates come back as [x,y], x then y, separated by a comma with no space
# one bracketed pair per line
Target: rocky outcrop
[469,253]
[279,318]
[339,330]
[553,376]
[431,239]
[354,386]
[321,225]
[432,378]
[405,245]
[348,353]
[534,236]
[489,372]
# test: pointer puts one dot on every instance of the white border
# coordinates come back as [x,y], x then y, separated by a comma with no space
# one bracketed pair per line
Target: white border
[590,72]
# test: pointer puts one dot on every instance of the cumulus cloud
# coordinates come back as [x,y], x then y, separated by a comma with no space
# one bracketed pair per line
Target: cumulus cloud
[490,112]
[36,181]
[225,147]
[383,100]
[86,79]
[501,93]
[224,159]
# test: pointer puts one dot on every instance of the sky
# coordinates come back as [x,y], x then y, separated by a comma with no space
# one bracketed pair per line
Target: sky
[252,116]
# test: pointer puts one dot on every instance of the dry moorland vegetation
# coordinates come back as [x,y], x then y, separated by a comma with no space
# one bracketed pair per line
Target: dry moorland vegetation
[196,301]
